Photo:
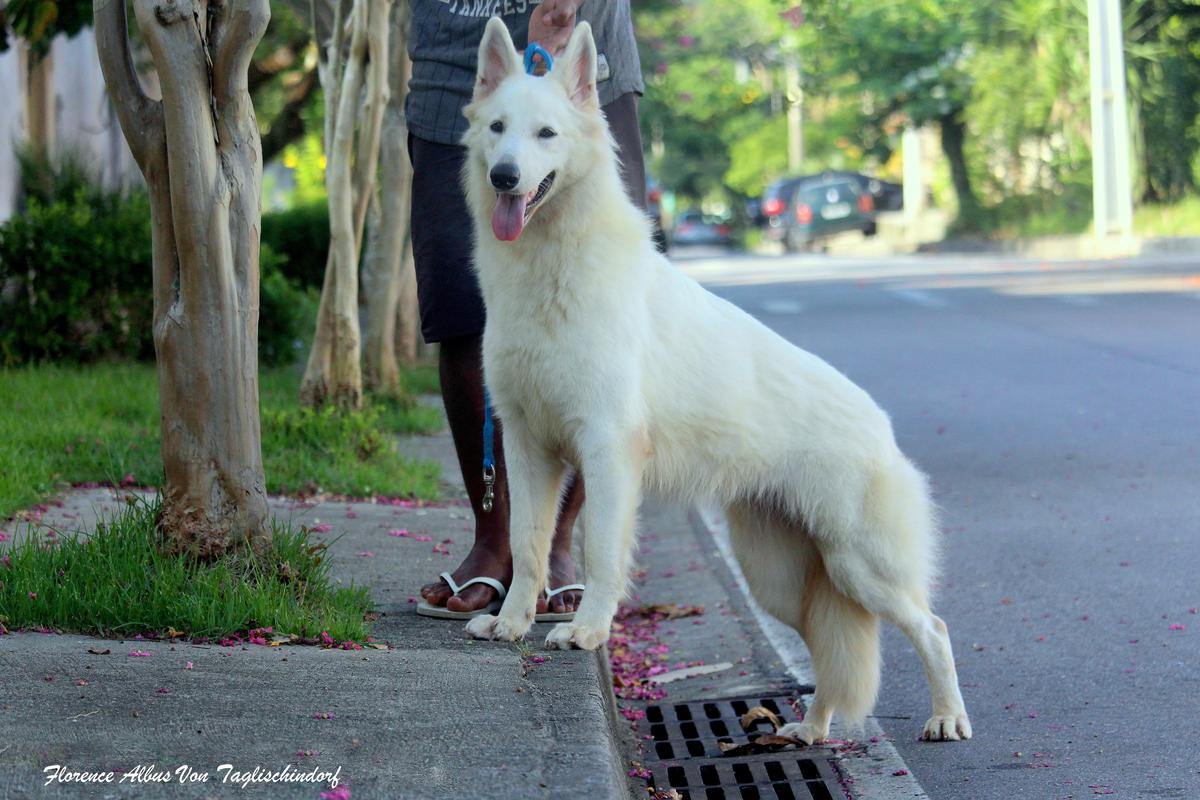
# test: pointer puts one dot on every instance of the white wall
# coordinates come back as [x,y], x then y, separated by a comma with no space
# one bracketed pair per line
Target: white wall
[10,127]
[85,121]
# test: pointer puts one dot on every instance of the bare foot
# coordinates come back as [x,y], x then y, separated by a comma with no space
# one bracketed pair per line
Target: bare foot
[487,558]
[562,573]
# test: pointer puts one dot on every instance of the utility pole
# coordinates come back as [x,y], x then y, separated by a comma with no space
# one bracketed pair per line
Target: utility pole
[795,115]
[1112,190]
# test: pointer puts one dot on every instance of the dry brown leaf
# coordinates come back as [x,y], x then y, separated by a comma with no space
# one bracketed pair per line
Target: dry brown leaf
[671,610]
[763,744]
[754,715]
[174,634]
[371,616]
[377,646]
[103,652]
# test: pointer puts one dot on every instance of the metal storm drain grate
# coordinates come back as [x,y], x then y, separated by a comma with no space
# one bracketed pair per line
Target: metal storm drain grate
[765,778]
[684,754]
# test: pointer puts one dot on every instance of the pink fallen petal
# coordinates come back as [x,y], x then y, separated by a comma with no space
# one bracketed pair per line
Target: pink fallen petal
[138,654]
[323,715]
[366,554]
[1175,626]
[399,532]
[324,527]
[340,793]
[900,772]
[188,665]
[163,690]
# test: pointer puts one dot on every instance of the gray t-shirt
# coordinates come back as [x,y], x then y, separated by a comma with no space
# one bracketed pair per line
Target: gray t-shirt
[444,41]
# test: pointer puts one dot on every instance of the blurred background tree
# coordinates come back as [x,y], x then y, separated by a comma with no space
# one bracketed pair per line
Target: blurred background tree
[1005,85]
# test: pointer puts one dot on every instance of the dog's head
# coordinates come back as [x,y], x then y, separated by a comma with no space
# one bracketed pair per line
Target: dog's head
[525,132]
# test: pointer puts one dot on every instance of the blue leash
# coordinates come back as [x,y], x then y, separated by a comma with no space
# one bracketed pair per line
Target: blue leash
[489,426]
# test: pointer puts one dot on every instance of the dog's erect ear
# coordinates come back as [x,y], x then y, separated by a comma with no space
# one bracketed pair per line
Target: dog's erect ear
[576,67]
[497,58]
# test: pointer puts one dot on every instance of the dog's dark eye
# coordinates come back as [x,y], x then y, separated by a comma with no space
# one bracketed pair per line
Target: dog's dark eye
[497,127]
[547,133]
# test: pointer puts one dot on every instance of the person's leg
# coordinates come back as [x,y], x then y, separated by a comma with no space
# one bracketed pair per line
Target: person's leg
[622,119]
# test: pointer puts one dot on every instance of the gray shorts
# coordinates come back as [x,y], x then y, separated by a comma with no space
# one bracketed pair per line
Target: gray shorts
[451,306]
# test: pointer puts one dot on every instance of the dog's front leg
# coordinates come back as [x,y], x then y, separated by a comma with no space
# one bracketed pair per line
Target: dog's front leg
[534,487]
[613,488]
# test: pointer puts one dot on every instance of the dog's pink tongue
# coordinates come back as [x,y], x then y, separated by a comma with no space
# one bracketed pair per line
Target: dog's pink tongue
[508,219]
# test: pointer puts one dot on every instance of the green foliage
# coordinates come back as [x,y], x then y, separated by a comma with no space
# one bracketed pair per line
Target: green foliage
[287,311]
[76,265]
[1163,46]
[76,272]
[39,21]
[1007,84]
[63,425]
[119,581]
[300,235]
[1177,219]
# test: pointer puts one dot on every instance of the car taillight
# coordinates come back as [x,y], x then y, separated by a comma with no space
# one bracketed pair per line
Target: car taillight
[804,213]
[866,203]
[773,206]
[723,230]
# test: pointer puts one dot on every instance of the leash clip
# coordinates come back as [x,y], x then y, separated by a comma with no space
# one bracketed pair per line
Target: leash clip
[535,49]
[489,479]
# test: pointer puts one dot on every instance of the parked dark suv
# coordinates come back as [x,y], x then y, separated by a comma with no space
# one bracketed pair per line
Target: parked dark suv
[822,208]
[791,213]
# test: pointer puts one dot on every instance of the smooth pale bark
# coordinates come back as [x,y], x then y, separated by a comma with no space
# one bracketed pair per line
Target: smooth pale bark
[358,93]
[388,261]
[39,103]
[198,148]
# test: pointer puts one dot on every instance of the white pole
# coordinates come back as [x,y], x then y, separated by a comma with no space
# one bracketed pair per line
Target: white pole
[1112,190]
[795,118]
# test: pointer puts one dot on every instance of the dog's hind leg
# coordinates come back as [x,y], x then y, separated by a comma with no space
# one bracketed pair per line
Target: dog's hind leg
[534,488]
[885,567]
[787,577]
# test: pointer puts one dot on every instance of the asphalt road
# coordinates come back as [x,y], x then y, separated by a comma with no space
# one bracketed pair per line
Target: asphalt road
[1056,407]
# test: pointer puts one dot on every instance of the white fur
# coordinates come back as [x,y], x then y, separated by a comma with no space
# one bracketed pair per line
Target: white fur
[603,357]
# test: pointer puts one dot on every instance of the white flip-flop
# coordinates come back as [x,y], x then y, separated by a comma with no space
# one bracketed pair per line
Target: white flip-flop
[560,616]
[441,612]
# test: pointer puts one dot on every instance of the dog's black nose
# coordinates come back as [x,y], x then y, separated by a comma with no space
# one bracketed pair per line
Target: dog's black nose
[505,176]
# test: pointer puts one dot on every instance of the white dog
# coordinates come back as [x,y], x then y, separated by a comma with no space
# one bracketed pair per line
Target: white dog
[603,357]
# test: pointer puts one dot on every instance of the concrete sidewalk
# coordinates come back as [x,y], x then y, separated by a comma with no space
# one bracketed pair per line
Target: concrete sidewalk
[437,716]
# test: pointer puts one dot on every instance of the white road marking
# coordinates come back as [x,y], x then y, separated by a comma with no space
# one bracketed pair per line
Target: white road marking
[782,307]
[920,297]
[879,774]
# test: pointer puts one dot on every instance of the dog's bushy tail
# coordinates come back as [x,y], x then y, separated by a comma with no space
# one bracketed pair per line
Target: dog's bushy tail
[843,638]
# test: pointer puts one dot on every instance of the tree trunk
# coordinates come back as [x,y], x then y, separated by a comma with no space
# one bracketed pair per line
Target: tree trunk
[954,133]
[199,150]
[334,373]
[40,116]
[388,241]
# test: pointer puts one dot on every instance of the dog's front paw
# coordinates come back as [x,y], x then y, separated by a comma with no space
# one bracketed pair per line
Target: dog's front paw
[806,732]
[566,635]
[947,727]
[489,626]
